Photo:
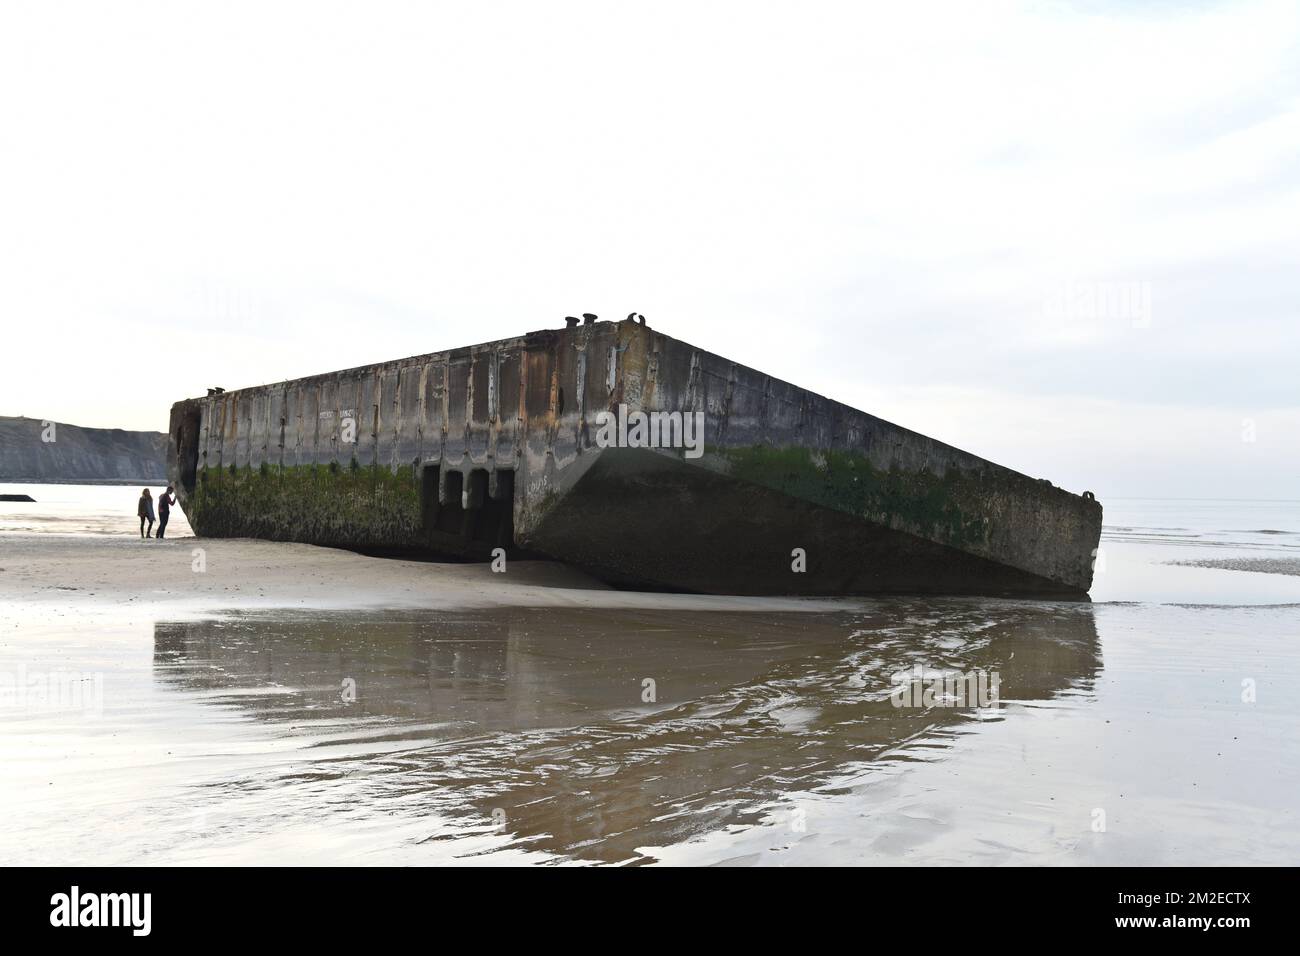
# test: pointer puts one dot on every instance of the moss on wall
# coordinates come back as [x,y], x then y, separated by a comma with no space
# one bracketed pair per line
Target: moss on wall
[951,508]
[351,505]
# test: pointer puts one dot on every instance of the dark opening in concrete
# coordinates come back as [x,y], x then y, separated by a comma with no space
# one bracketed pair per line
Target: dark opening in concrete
[429,496]
[187,448]
[450,517]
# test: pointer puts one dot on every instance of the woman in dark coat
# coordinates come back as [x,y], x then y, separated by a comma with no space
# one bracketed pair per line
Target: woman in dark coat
[145,511]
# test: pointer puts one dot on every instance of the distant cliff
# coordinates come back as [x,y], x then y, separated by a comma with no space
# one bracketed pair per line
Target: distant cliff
[79,454]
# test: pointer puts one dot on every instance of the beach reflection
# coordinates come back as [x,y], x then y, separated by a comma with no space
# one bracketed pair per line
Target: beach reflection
[541,728]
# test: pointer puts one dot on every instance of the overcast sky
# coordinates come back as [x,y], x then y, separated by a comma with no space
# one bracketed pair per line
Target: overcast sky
[1061,236]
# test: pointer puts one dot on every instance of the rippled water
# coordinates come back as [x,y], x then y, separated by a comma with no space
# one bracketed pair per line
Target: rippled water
[1123,734]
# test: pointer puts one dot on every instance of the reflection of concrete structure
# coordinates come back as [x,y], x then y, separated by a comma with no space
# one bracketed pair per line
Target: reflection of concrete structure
[458,452]
[539,713]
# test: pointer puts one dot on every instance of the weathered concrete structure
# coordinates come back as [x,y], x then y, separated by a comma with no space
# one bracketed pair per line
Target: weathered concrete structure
[505,445]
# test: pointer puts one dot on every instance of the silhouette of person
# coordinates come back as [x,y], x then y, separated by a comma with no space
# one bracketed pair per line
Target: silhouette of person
[145,511]
[165,502]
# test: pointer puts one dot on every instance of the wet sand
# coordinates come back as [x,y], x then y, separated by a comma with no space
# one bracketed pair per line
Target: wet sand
[291,704]
[163,577]
[1258,565]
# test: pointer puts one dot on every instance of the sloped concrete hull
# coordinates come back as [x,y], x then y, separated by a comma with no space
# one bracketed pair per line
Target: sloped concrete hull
[645,520]
[503,445]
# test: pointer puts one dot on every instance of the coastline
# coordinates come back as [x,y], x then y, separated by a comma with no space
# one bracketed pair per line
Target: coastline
[504,717]
[118,571]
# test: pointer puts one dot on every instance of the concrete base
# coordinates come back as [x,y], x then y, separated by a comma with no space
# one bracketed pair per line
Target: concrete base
[641,519]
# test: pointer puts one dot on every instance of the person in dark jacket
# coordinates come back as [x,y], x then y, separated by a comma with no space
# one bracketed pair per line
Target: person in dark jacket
[145,511]
[165,502]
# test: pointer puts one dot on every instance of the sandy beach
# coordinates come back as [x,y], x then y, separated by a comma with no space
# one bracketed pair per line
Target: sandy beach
[184,575]
[1258,565]
[74,544]
[229,701]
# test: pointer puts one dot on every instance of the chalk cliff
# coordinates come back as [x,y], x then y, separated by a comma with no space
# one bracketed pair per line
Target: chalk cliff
[31,451]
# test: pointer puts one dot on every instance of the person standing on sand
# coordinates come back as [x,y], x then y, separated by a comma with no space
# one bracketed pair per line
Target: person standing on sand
[165,502]
[145,511]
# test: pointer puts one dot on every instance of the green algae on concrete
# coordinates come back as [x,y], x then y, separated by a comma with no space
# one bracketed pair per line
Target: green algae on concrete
[917,501]
[353,505]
